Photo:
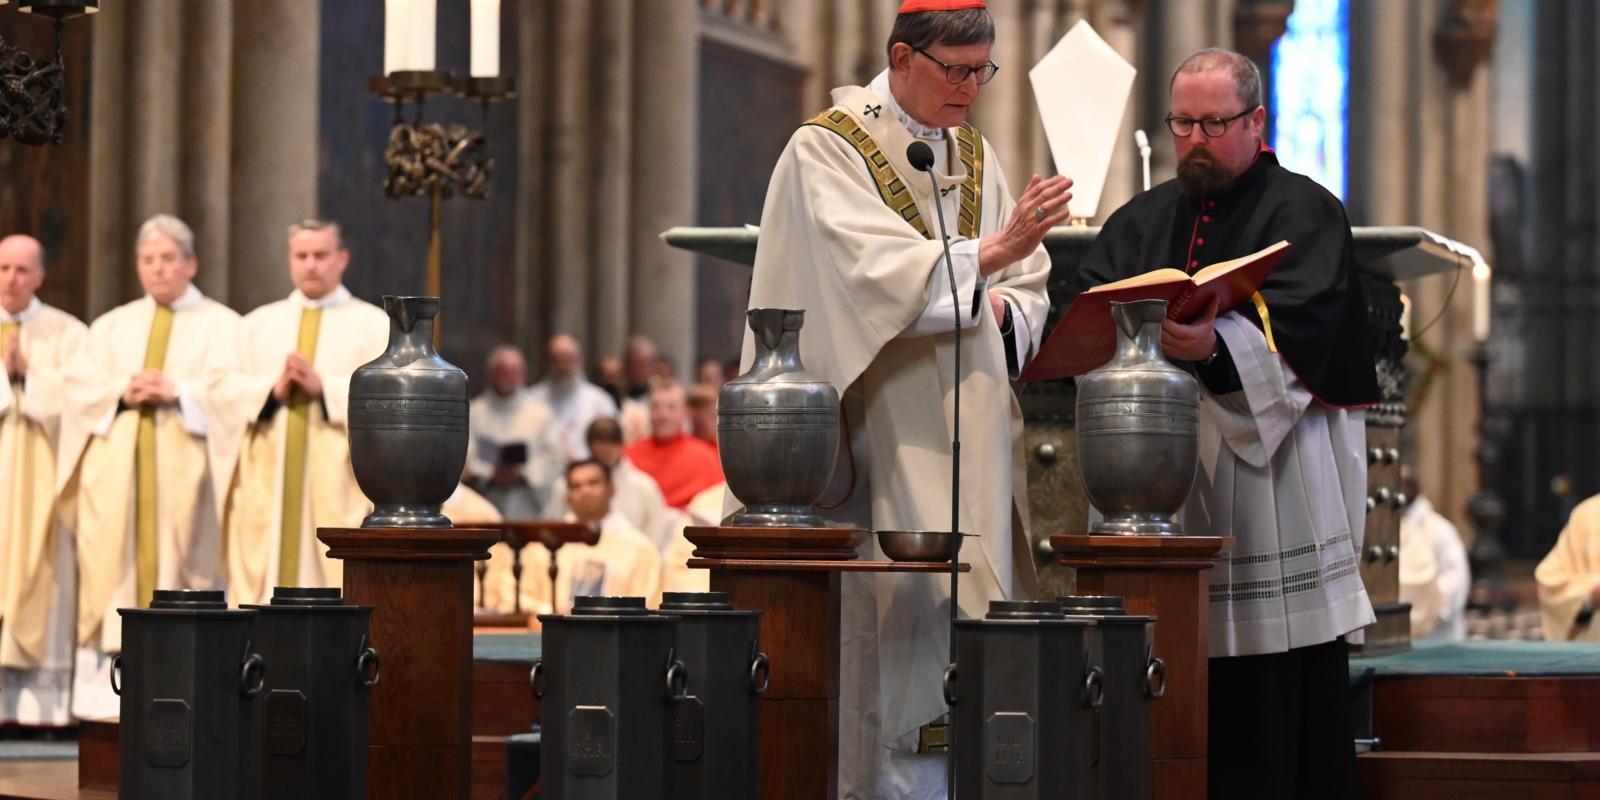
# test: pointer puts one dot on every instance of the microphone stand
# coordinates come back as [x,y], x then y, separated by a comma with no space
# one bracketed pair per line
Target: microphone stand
[955,460]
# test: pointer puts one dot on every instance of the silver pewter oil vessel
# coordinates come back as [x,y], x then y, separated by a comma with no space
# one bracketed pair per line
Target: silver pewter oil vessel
[408,422]
[777,428]
[1138,428]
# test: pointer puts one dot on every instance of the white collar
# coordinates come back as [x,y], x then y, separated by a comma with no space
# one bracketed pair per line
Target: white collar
[191,297]
[880,87]
[28,311]
[338,296]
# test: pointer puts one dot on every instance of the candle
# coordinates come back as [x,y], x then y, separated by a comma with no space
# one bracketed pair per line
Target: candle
[485,38]
[408,35]
[1480,301]
[393,34]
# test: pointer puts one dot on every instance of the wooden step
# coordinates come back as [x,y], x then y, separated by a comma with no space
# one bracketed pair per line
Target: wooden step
[1510,714]
[1390,775]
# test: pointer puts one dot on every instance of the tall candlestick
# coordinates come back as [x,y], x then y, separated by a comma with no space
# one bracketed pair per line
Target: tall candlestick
[485,38]
[1480,302]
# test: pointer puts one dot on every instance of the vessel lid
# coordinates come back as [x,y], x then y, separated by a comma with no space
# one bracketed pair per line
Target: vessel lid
[189,599]
[1024,609]
[588,605]
[696,601]
[307,596]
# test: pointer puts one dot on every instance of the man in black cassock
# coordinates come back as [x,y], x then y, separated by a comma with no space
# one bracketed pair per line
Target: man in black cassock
[1282,437]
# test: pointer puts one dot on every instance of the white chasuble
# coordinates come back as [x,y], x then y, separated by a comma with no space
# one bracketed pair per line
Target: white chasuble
[1568,575]
[196,445]
[866,277]
[350,332]
[1286,476]
[37,576]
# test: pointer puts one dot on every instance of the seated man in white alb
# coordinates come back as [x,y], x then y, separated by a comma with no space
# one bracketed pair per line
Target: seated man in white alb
[622,562]
[636,495]
[1434,575]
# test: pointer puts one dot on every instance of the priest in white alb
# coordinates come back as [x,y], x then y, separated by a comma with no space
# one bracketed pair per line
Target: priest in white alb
[293,393]
[37,575]
[621,563]
[849,233]
[140,394]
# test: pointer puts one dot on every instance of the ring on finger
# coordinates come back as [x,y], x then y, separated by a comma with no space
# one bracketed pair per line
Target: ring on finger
[1039,214]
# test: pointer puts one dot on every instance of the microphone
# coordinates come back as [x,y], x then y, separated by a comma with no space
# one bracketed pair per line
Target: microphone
[921,157]
[1143,142]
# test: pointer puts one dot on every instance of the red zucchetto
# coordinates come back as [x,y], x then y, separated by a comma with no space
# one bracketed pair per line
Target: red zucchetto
[917,6]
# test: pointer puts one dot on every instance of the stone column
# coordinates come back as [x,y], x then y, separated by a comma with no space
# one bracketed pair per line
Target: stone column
[110,254]
[666,116]
[570,175]
[207,125]
[616,150]
[274,142]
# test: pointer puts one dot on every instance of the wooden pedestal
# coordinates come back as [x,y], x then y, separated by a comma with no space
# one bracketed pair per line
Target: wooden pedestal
[1165,576]
[419,583]
[799,746]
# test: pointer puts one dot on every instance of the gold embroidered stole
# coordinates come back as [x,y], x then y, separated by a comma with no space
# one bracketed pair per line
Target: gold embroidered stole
[145,517]
[896,195]
[294,457]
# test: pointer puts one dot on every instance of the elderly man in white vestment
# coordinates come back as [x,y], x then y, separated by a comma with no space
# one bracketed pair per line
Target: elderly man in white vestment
[514,454]
[849,234]
[635,494]
[37,576]
[570,396]
[293,392]
[621,563]
[141,393]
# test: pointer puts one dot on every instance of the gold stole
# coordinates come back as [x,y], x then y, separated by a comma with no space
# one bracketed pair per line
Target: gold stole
[294,457]
[969,148]
[10,331]
[144,539]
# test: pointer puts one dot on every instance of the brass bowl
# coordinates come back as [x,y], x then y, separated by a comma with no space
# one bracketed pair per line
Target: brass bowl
[919,546]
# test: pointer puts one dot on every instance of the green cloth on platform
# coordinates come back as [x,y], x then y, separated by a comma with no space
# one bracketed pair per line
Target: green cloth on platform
[505,646]
[1485,658]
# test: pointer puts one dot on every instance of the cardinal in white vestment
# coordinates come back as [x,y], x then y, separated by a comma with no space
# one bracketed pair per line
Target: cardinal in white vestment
[146,450]
[293,392]
[849,234]
[621,563]
[37,576]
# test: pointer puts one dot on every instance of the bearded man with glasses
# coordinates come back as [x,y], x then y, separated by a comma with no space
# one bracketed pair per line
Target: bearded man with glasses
[1282,434]
[850,234]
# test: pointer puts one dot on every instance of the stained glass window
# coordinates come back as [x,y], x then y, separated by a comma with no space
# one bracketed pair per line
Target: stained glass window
[1311,91]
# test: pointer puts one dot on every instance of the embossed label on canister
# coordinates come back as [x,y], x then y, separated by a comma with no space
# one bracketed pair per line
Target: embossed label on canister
[688,728]
[167,725]
[1008,747]
[286,722]
[591,741]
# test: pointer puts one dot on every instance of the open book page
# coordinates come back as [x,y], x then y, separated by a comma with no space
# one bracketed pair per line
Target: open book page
[1085,337]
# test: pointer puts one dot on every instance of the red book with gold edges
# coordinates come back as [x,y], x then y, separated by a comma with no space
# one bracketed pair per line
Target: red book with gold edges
[1086,337]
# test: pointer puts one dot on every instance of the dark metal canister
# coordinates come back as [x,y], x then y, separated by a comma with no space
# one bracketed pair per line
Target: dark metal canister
[188,676]
[712,752]
[606,680]
[1133,678]
[312,717]
[1022,695]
